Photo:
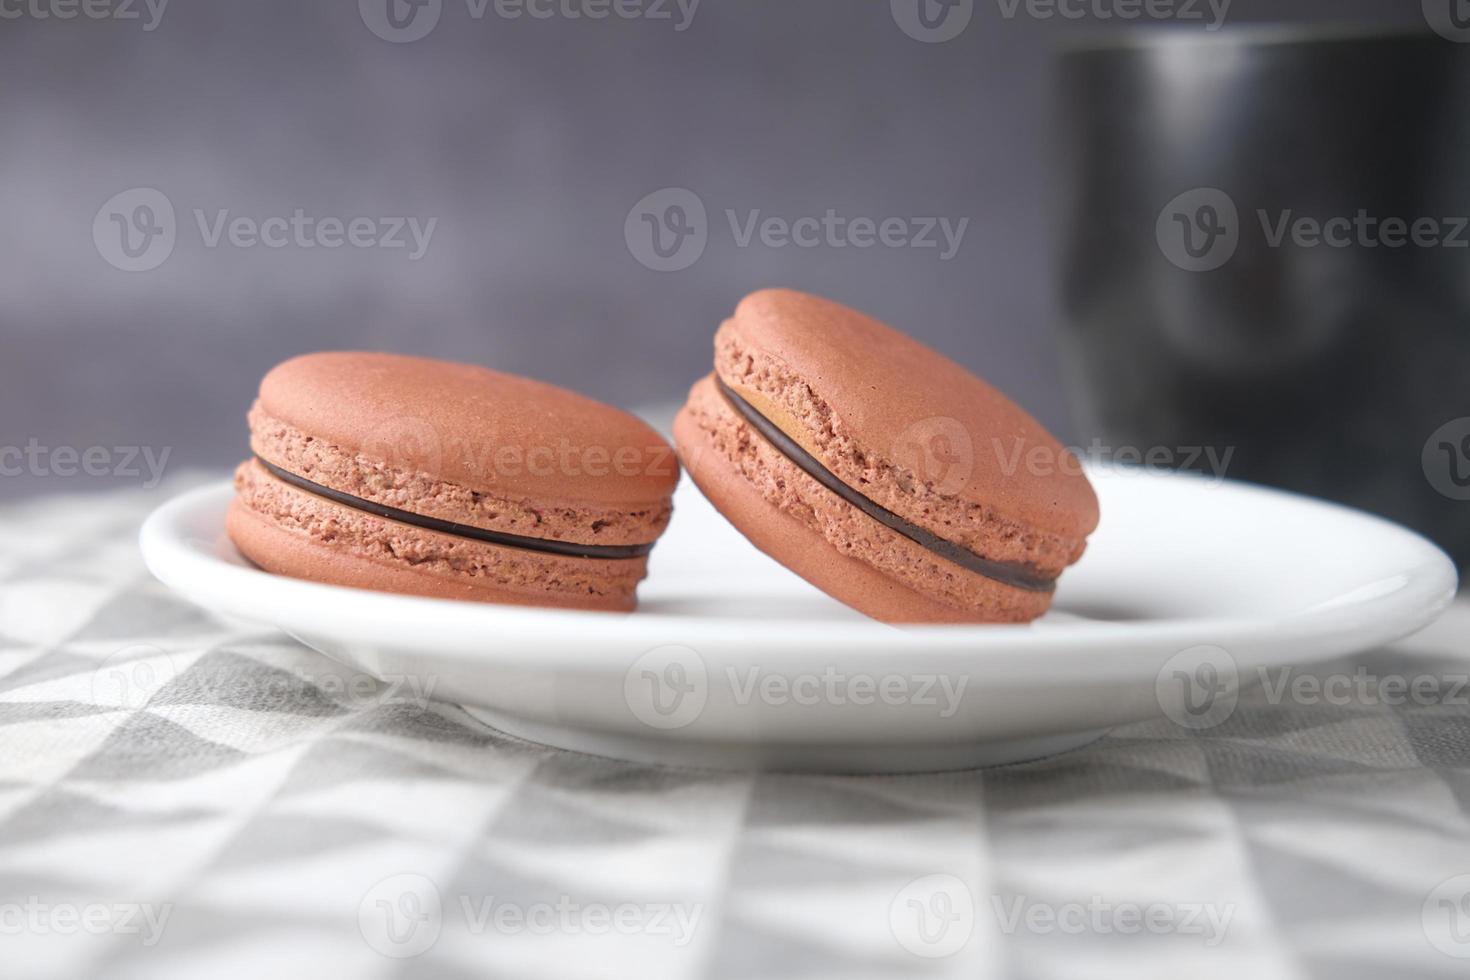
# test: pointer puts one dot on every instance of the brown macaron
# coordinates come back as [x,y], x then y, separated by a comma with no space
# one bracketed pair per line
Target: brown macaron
[879,470]
[423,477]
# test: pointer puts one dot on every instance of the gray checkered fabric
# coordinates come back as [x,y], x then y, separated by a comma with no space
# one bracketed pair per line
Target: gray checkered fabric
[182,796]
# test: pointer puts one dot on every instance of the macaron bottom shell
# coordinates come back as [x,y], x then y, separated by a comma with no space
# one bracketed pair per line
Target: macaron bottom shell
[289,531]
[855,559]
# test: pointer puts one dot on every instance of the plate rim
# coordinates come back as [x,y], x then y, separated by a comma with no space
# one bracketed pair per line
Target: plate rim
[181,562]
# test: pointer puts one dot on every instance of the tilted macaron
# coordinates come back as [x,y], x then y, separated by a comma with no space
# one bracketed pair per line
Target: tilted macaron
[879,470]
[423,477]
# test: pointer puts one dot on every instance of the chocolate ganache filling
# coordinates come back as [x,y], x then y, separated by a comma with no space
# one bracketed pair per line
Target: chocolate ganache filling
[569,549]
[1018,574]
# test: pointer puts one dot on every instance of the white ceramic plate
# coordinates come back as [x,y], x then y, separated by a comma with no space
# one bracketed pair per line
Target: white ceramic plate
[1188,590]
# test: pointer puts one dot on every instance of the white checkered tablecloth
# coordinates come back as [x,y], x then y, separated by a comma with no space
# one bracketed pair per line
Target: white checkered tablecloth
[186,797]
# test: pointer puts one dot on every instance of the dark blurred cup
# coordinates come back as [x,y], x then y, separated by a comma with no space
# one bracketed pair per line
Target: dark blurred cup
[1266,251]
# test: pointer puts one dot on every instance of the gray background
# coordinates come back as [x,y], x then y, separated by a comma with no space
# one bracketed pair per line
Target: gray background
[529,140]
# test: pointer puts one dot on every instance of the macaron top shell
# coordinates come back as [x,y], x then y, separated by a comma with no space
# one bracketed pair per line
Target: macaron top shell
[896,420]
[467,444]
